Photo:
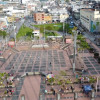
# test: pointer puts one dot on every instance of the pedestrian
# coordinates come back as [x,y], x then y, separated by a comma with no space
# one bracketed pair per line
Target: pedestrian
[72,89]
[53,92]
[7,91]
[13,67]
[50,63]
[10,91]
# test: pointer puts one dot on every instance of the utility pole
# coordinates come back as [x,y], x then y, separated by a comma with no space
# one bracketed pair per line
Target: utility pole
[14,33]
[63,31]
[96,85]
[44,33]
[74,55]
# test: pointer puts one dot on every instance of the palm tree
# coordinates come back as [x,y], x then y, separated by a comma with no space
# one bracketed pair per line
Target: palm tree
[83,45]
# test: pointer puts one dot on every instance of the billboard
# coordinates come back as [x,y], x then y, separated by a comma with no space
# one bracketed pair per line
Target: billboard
[11,43]
[68,40]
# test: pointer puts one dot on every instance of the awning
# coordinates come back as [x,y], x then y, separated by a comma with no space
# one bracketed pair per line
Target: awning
[50,76]
[87,88]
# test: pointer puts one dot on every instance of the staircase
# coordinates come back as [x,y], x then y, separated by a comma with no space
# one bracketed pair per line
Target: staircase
[64,46]
[14,50]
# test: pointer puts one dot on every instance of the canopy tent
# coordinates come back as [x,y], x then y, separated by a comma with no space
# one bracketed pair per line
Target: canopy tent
[10,78]
[50,76]
[87,88]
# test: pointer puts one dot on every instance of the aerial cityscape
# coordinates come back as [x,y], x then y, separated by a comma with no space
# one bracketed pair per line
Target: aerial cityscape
[49,49]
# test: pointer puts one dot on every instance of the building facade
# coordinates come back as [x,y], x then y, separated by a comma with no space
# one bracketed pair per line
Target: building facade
[48,18]
[39,17]
[63,17]
[90,19]
[10,19]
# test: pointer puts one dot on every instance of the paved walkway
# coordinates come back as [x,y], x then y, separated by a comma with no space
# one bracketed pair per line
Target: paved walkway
[31,88]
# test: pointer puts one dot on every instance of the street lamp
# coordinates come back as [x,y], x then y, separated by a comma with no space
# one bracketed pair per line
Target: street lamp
[63,31]
[74,55]
[15,34]
[44,33]
[15,40]
[97,85]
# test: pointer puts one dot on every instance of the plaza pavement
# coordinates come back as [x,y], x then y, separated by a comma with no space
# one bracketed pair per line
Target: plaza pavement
[39,60]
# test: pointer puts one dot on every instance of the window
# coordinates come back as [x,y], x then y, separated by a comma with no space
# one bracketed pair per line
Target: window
[22,97]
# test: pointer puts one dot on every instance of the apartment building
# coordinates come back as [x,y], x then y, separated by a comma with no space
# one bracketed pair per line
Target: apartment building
[39,17]
[48,18]
[90,19]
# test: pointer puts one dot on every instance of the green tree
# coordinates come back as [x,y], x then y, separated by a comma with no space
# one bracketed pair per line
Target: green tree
[94,27]
[3,33]
[68,29]
[97,23]
[67,0]
[82,43]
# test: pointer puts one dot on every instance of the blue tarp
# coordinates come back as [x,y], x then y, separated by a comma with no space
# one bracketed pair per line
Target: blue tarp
[87,88]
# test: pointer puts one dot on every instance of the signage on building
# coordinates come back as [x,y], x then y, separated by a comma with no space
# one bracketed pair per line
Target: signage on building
[11,43]
[68,40]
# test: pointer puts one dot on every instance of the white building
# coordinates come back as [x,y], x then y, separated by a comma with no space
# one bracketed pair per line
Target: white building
[90,19]
[59,14]
[36,33]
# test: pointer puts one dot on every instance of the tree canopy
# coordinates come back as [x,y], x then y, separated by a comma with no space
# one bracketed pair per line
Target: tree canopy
[3,33]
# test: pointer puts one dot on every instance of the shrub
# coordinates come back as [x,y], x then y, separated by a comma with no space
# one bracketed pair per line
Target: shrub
[91,50]
[60,82]
[68,82]
[51,80]
[96,55]
[5,92]
[63,73]
[92,80]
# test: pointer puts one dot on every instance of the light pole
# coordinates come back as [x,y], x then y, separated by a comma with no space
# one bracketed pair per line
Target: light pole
[14,34]
[15,40]
[74,55]
[96,85]
[63,31]
[44,33]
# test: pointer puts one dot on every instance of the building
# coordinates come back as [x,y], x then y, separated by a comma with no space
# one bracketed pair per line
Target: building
[56,17]
[58,14]
[10,19]
[90,19]
[2,25]
[48,18]
[36,33]
[63,17]
[39,17]
[3,21]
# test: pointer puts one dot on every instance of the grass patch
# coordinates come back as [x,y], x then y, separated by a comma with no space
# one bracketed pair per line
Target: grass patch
[50,34]
[24,31]
[54,27]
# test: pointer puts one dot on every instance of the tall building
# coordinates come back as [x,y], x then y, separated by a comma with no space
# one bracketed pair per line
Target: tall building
[39,17]
[90,18]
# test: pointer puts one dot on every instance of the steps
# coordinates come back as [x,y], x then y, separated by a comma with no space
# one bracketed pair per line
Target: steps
[64,46]
[14,50]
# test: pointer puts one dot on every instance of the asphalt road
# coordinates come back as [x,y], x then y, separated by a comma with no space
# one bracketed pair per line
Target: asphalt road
[14,28]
